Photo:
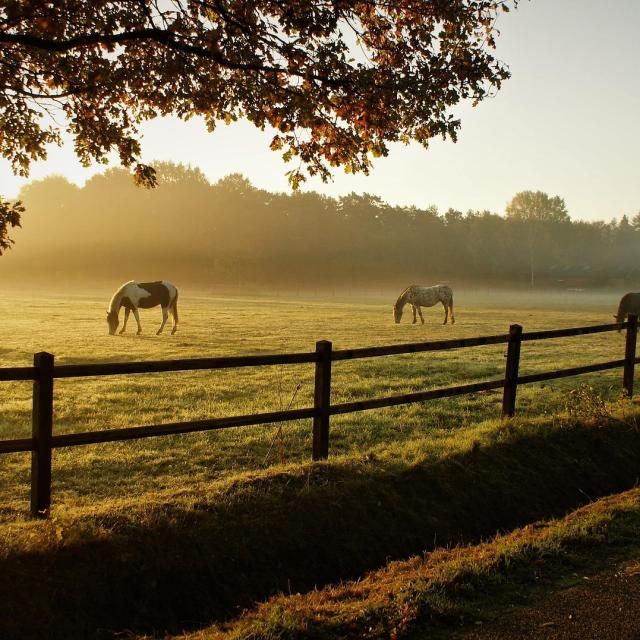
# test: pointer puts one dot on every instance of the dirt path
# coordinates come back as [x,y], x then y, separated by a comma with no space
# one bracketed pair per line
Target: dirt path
[605,607]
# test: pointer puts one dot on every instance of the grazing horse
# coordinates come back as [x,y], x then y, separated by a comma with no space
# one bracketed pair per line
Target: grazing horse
[418,297]
[144,295]
[629,304]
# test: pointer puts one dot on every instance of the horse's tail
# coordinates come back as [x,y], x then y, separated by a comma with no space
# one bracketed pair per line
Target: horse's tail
[451,308]
[174,308]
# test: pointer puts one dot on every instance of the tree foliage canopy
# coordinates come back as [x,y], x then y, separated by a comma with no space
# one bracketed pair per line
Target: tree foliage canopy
[9,217]
[539,214]
[537,207]
[338,79]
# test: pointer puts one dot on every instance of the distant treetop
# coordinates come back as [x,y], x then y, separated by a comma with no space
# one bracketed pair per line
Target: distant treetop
[537,206]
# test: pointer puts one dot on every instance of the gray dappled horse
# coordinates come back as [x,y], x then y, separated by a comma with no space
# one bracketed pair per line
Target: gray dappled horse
[418,296]
[143,295]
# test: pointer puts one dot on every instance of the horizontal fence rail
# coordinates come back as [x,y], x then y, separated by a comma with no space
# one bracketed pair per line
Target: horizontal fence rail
[164,366]
[417,347]
[420,396]
[172,428]
[44,372]
[567,333]
[15,446]
[571,371]
[17,373]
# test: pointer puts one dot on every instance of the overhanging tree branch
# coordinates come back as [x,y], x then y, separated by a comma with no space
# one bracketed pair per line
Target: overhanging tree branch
[292,65]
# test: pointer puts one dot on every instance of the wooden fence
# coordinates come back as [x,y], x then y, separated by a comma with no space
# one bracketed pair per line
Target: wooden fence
[44,371]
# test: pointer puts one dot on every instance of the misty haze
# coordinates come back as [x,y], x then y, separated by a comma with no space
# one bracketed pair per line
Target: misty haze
[232,236]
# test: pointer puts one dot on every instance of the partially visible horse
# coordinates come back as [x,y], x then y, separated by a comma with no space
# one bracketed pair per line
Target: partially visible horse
[418,296]
[143,295]
[629,304]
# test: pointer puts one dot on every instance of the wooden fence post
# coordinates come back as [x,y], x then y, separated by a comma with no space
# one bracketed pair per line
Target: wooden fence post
[322,401]
[630,354]
[511,371]
[41,431]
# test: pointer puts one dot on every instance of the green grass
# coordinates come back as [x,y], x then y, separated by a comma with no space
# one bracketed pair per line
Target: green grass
[75,331]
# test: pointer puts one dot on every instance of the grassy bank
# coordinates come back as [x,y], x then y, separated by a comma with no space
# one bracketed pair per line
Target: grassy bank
[429,596]
[174,560]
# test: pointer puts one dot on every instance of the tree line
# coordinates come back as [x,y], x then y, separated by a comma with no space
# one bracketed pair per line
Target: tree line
[232,233]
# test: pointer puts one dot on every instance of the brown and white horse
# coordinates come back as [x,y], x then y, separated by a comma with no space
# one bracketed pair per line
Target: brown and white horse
[418,296]
[143,295]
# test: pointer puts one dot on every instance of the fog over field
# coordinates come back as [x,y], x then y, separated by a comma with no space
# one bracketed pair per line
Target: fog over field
[231,237]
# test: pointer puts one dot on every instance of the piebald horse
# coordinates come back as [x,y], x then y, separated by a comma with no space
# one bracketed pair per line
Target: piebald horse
[144,295]
[418,296]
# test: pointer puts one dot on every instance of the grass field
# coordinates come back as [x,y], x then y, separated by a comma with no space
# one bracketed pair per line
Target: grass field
[173,534]
[75,331]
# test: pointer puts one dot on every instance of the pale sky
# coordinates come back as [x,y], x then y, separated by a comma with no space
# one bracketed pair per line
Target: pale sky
[567,122]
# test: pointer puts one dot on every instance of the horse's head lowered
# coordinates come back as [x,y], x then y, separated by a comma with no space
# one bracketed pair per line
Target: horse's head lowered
[112,321]
[397,312]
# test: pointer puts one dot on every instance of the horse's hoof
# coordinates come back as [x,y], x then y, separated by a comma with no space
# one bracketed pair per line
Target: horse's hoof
[138,333]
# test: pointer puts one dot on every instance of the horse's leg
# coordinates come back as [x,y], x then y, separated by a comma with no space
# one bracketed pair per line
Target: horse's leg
[446,312]
[420,312]
[126,317]
[413,306]
[136,315]
[165,315]
[174,313]
[453,320]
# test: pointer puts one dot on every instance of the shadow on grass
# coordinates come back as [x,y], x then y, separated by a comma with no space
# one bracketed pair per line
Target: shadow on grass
[186,567]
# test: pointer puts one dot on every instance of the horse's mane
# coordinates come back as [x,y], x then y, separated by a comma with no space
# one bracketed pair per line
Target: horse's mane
[117,295]
[403,295]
